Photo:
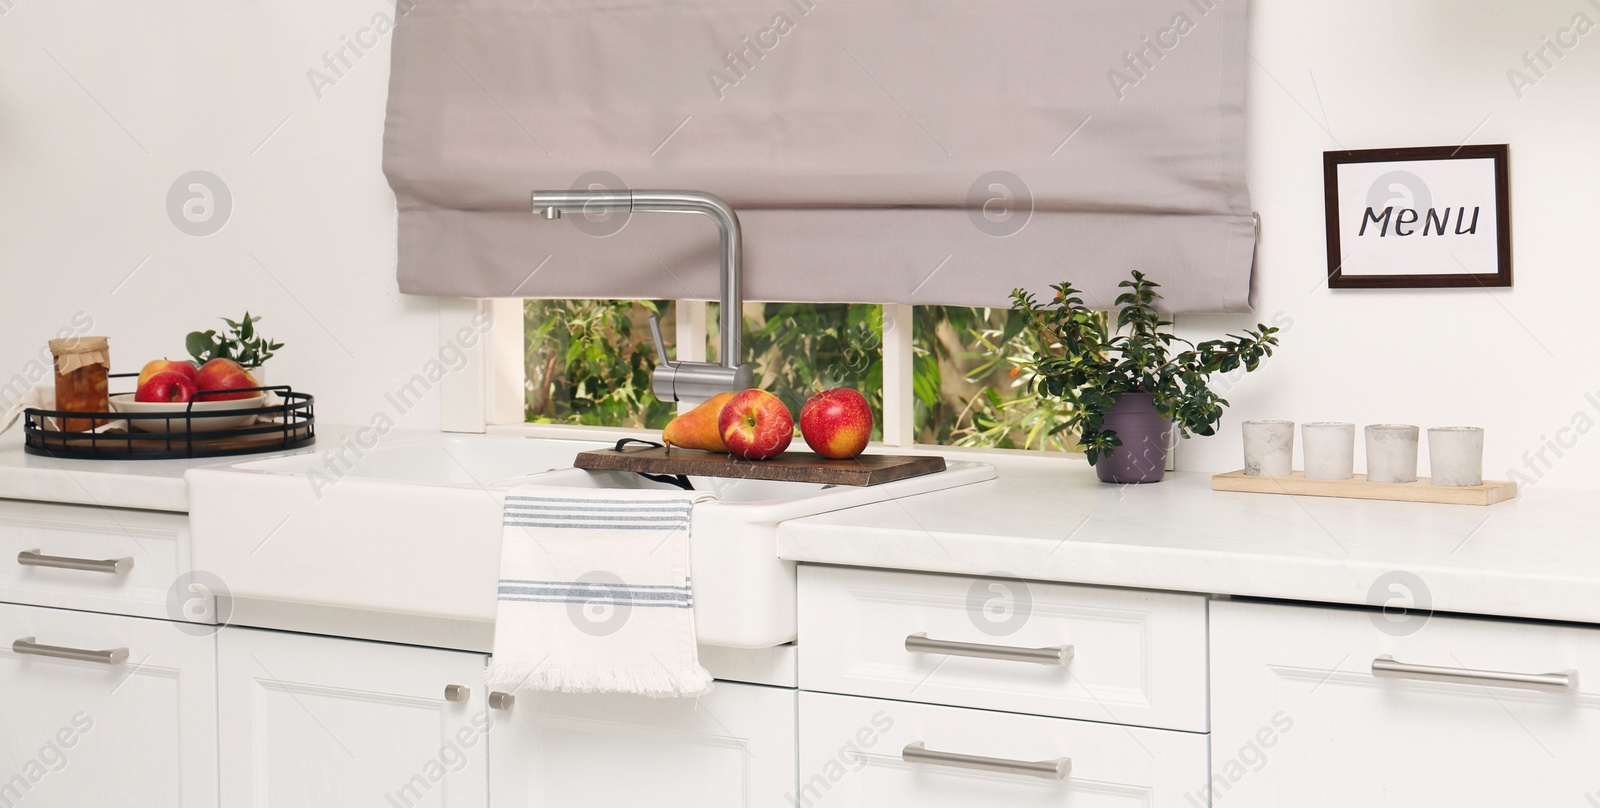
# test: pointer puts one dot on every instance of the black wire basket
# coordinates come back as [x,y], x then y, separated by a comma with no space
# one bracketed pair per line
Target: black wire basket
[289,424]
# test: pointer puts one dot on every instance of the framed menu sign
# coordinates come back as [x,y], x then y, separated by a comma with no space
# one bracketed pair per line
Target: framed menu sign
[1410,218]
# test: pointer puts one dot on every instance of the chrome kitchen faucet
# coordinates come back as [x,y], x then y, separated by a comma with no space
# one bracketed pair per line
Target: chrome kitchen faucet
[678,381]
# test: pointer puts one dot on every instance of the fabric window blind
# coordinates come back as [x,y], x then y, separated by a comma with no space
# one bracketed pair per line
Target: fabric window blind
[905,151]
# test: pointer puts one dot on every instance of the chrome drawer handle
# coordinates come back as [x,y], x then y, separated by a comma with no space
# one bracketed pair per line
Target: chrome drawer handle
[1057,655]
[917,753]
[1389,668]
[501,701]
[27,646]
[115,566]
[457,693]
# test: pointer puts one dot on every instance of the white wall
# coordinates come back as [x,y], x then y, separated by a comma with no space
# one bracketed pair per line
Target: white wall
[200,84]
[1372,73]
[104,104]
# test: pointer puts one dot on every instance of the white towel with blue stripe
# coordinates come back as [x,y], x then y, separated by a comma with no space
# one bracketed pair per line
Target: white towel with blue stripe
[595,594]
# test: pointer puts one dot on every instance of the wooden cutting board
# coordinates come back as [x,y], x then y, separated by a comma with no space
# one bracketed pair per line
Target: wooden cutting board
[794,467]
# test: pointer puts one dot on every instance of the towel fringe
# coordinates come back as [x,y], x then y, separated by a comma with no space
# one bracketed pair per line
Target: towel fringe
[657,682]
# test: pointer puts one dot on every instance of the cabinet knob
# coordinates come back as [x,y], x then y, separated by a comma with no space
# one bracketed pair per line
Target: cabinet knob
[501,701]
[457,692]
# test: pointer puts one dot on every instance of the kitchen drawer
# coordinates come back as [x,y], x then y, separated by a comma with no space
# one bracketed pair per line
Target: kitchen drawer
[863,753]
[103,730]
[152,547]
[1136,657]
[1301,717]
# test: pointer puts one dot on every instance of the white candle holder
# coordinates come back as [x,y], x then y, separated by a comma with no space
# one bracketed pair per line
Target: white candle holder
[1330,450]
[1268,448]
[1392,453]
[1455,454]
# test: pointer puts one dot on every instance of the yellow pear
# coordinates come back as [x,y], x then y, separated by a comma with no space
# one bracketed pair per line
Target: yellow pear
[697,428]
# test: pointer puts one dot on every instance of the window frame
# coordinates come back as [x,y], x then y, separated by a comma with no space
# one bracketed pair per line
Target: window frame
[487,395]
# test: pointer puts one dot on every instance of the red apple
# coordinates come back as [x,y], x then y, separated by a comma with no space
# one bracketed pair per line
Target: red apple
[755,425]
[837,423]
[155,366]
[168,385]
[224,374]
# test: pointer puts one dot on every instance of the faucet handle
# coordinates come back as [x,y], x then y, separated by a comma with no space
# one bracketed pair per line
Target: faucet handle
[655,337]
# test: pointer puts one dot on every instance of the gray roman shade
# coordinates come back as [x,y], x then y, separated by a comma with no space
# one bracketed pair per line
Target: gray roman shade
[908,151]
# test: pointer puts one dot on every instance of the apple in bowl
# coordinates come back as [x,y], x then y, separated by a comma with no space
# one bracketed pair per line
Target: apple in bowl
[224,374]
[170,391]
[182,367]
[166,385]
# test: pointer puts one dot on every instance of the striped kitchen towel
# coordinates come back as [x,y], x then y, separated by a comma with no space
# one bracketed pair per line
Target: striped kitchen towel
[595,594]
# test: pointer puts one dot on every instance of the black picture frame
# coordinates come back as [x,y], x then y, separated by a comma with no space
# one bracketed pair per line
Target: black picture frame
[1499,153]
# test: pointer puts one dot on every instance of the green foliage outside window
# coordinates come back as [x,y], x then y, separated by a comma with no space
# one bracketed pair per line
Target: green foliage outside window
[799,349]
[968,392]
[589,362]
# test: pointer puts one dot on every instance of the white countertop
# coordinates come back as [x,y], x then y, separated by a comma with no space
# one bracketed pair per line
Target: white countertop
[1537,557]
[154,485]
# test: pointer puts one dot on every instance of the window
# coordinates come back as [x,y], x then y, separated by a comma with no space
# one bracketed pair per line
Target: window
[589,361]
[799,349]
[966,393]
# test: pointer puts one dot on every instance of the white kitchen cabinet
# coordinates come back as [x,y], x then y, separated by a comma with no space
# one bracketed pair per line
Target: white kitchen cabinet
[872,753]
[129,721]
[308,722]
[1301,717]
[97,560]
[1126,657]
[733,748]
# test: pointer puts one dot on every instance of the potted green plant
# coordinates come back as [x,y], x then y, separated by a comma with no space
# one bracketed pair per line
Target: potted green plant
[241,343]
[1127,385]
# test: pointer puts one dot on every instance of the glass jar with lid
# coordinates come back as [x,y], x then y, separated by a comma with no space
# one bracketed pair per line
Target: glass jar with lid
[83,367]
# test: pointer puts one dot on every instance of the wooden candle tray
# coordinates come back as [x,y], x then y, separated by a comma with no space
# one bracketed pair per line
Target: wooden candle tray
[1491,492]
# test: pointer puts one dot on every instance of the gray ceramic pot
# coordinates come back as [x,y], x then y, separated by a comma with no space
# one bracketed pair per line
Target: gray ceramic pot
[1142,457]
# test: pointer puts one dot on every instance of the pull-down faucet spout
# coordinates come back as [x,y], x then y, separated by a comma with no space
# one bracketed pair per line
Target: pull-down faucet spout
[678,381]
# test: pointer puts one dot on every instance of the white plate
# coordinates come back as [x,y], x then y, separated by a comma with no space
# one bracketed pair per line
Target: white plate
[124,403]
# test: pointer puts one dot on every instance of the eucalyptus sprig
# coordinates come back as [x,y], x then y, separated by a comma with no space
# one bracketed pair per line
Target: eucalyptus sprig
[1088,361]
[240,343]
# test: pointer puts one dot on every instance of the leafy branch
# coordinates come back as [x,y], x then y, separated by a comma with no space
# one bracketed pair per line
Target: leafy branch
[240,343]
[1086,362]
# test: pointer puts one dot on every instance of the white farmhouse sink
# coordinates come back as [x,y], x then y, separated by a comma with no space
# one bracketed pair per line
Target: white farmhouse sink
[462,460]
[412,530]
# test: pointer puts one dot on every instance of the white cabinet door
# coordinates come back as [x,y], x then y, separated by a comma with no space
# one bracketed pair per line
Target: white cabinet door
[308,722]
[875,753]
[139,730]
[1300,717]
[734,748]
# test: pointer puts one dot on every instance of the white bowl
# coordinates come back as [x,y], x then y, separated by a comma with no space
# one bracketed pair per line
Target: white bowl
[124,403]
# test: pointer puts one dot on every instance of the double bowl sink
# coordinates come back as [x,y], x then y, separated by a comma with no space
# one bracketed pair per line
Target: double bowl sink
[408,533]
